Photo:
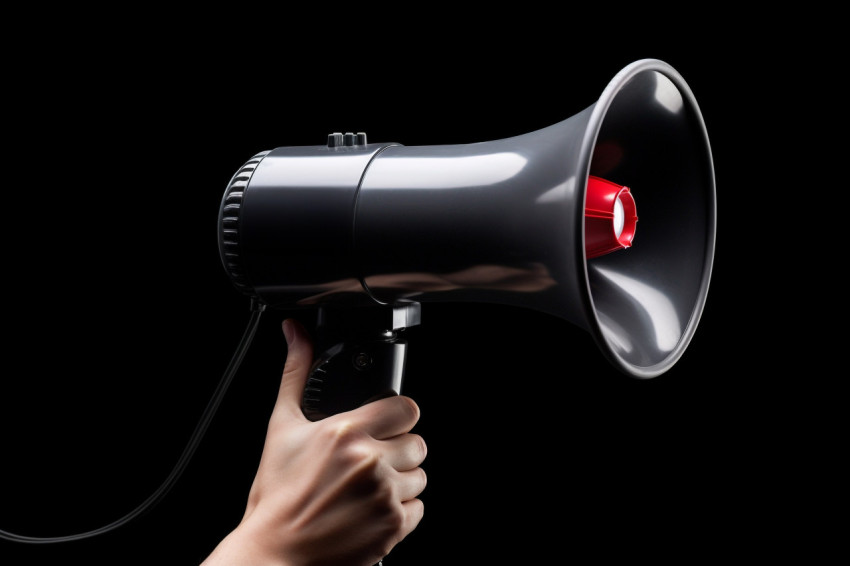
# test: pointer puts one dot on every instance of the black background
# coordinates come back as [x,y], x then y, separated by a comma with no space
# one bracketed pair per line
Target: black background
[121,320]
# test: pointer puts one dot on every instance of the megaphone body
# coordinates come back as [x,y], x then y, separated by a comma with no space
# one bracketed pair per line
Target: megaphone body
[352,223]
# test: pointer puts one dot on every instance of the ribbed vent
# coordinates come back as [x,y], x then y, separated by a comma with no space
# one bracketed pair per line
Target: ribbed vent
[229,224]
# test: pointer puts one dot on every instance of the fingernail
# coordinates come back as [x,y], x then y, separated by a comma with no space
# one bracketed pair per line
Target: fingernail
[288,332]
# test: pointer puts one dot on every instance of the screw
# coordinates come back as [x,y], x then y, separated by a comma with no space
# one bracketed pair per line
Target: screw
[362,360]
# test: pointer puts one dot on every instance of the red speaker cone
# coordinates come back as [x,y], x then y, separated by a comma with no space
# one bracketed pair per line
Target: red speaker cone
[610,217]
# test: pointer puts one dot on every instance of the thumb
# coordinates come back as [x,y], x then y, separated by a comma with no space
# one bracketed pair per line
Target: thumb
[299,359]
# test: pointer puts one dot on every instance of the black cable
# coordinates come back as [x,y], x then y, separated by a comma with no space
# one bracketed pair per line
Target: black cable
[257,309]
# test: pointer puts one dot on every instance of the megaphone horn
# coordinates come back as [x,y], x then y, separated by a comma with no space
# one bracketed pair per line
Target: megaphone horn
[547,220]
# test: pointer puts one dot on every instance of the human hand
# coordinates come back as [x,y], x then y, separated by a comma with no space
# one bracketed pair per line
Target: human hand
[342,490]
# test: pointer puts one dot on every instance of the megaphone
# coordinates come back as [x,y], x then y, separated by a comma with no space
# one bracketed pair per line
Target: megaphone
[606,220]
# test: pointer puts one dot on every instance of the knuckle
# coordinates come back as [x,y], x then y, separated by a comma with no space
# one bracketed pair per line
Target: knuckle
[423,478]
[409,407]
[420,448]
[351,446]
[392,518]
[368,479]
[383,499]
[362,460]
[344,433]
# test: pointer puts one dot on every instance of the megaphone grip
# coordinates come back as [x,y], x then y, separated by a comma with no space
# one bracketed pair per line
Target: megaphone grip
[349,375]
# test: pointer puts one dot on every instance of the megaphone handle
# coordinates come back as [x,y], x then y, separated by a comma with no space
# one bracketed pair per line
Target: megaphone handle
[356,371]
[349,375]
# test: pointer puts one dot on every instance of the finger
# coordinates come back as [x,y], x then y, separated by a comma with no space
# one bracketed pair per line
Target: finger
[414,509]
[410,484]
[385,418]
[299,359]
[404,452]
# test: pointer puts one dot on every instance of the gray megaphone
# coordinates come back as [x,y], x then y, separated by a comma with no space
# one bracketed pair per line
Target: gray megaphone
[606,220]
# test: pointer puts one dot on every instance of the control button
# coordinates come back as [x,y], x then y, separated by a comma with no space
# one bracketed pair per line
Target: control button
[348,139]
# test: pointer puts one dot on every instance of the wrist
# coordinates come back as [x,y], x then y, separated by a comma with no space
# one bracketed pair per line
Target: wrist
[241,548]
